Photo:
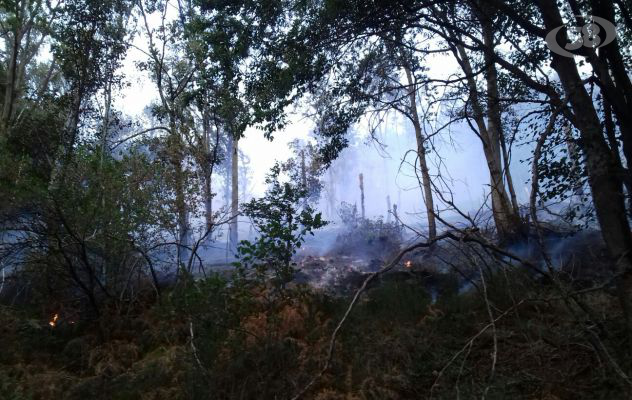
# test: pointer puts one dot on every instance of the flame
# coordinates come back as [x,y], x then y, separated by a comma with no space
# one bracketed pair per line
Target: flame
[53,321]
[408,264]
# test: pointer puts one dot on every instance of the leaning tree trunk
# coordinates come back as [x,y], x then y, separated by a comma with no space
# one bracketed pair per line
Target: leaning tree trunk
[506,217]
[601,167]
[505,209]
[421,153]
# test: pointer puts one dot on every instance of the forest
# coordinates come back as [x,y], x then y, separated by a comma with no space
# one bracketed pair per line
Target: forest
[315,199]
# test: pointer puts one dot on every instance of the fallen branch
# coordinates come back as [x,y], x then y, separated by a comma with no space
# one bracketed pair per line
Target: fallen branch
[193,348]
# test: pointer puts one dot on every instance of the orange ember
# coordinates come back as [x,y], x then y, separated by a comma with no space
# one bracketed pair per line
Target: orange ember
[53,321]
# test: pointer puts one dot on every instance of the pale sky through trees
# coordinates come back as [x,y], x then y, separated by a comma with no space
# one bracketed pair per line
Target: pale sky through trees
[461,151]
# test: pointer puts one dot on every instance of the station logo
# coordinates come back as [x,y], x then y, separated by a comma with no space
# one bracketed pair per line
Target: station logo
[597,33]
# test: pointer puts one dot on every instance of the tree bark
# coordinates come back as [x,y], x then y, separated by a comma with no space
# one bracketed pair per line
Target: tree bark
[303,170]
[207,170]
[181,207]
[9,92]
[421,153]
[506,219]
[331,195]
[507,210]
[361,179]
[234,204]
[615,81]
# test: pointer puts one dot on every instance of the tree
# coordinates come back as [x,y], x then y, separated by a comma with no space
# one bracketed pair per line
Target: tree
[305,168]
[282,218]
[484,106]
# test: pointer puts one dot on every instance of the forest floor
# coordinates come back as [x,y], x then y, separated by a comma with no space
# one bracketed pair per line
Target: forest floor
[206,342]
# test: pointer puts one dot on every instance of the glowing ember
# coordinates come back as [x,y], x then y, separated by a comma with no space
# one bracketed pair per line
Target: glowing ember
[408,264]
[53,321]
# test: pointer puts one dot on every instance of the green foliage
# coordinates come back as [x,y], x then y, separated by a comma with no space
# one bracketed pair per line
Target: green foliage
[90,231]
[282,218]
[25,155]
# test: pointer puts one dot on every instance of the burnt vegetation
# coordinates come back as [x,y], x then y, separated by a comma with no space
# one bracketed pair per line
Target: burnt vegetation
[135,262]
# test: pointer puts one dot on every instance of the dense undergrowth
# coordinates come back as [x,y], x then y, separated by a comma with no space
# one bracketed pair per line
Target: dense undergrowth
[211,340]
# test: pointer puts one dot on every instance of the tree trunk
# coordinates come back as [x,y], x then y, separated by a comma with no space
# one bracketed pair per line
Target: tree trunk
[616,85]
[227,170]
[184,235]
[361,179]
[331,195]
[43,87]
[303,170]
[207,172]
[506,218]
[64,152]
[574,155]
[603,177]
[395,216]
[421,153]
[234,204]
[507,210]
[510,185]
[9,92]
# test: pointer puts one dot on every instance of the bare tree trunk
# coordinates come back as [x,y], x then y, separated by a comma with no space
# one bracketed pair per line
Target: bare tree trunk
[395,215]
[181,207]
[104,141]
[388,209]
[574,155]
[43,87]
[208,201]
[331,195]
[64,151]
[9,92]
[234,204]
[421,153]
[227,170]
[361,178]
[303,170]
[496,142]
[510,185]
[505,215]
[207,170]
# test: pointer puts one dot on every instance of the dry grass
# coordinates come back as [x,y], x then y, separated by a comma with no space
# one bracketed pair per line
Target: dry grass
[396,345]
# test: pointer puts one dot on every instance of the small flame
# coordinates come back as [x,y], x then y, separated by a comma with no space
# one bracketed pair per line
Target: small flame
[408,264]
[53,321]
